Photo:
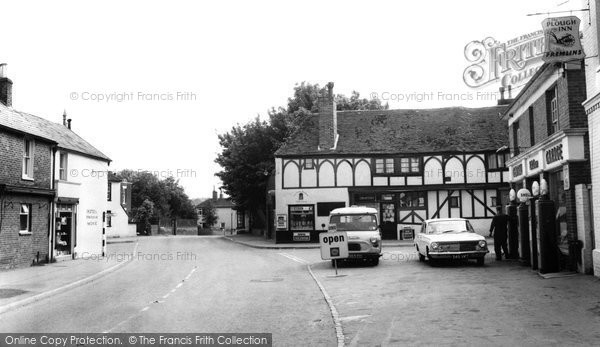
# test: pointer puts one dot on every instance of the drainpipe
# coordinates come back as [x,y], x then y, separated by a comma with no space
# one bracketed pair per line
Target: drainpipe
[51,216]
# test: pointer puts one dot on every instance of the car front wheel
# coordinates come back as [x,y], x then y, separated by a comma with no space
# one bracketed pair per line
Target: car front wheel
[481,261]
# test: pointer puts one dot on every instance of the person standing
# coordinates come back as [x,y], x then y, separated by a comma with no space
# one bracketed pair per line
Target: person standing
[499,230]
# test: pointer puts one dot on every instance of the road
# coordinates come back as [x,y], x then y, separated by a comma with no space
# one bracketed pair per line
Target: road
[208,284]
[191,284]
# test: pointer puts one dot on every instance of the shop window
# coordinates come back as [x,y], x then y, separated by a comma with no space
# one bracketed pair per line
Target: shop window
[453,201]
[324,208]
[302,217]
[309,164]
[412,199]
[410,165]
[62,171]
[384,166]
[25,219]
[28,159]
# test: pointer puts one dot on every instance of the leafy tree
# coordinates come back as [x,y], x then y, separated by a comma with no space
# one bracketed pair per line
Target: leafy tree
[168,197]
[209,214]
[248,151]
[143,214]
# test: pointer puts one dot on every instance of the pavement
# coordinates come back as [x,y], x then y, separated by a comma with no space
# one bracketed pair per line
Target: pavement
[23,286]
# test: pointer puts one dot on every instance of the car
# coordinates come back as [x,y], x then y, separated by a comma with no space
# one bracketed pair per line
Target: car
[450,238]
[361,226]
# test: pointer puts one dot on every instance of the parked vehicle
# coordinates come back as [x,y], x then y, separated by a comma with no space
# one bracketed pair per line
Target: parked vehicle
[450,238]
[362,227]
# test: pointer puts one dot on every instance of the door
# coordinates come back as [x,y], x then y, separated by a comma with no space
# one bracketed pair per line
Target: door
[388,221]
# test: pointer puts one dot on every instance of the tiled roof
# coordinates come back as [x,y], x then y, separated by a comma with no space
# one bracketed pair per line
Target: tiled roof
[219,203]
[41,127]
[453,129]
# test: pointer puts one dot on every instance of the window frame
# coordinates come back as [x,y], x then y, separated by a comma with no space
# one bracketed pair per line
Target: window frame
[28,214]
[108,219]
[384,163]
[28,157]
[109,191]
[498,167]
[306,166]
[62,170]
[453,202]
[412,162]
[314,212]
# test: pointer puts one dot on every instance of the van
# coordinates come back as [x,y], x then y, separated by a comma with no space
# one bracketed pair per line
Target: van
[362,227]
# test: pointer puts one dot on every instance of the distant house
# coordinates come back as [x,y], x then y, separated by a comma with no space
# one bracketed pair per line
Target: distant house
[76,170]
[118,213]
[410,165]
[228,216]
[26,188]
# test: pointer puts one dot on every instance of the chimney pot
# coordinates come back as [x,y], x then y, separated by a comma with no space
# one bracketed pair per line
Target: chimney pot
[69,123]
[3,70]
[510,91]
[65,118]
[501,93]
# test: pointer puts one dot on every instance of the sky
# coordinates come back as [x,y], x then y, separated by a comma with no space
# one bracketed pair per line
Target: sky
[152,83]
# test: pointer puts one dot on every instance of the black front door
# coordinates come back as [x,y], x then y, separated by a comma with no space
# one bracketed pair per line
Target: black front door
[388,221]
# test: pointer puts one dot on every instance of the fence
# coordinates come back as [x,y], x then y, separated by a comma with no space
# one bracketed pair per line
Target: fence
[177,227]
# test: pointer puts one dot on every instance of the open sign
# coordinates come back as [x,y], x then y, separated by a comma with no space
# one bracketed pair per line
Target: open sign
[334,245]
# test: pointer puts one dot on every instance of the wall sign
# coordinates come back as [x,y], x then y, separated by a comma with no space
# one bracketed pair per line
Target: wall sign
[534,164]
[301,236]
[517,170]
[281,221]
[554,154]
[566,182]
[562,41]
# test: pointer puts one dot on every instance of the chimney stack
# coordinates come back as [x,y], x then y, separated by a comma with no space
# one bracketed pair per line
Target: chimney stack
[69,123]
[327,120]
[220,193]
[214,197]
[5,87]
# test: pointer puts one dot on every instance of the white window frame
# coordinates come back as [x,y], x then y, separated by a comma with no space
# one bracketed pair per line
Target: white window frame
[25,210]
[28,157]
[62,170]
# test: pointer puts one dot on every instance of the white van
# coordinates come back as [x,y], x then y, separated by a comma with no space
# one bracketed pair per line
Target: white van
[362,227]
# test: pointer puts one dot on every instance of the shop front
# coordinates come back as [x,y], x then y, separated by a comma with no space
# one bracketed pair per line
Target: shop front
[65,235]
[560,162]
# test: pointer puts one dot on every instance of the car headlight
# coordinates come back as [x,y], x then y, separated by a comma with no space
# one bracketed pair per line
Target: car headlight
[434,245]
[374,241]
[482,244]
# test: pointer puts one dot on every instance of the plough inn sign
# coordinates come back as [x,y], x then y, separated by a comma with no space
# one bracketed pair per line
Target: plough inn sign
[514,62]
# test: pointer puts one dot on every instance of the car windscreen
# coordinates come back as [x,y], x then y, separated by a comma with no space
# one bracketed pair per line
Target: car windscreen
[353,222]
[450,226]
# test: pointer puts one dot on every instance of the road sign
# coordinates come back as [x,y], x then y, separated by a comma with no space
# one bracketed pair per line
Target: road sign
[334,245]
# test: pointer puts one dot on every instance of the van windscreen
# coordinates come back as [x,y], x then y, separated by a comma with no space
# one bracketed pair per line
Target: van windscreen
[354,222]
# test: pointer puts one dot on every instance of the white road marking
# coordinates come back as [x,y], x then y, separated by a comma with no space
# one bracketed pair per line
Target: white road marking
[294,258]
[344,319]
[145,309]
[179,285]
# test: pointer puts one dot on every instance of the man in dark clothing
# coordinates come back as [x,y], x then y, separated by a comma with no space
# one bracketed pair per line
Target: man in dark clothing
[499,229]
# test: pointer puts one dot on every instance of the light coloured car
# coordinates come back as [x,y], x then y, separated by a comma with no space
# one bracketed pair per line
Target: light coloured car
[361,226]
[450,238]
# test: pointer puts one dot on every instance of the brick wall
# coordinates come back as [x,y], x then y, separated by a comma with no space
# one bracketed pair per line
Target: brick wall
[22,250]
[11,156]
[327,122]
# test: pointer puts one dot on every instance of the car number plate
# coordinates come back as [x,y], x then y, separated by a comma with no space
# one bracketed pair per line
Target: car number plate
[355,255]
[460,256]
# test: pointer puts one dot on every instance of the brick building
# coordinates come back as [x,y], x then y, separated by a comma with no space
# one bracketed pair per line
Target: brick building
[77,171]
[410,165]
[26,188]
[591,44]
[548,138]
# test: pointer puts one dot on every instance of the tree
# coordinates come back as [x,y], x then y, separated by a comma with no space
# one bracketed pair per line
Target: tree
[168,197]
[209,214]
[248,151]
[143,214]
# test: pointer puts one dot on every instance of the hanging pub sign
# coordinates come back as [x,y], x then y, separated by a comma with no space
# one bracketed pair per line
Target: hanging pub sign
[562,41]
